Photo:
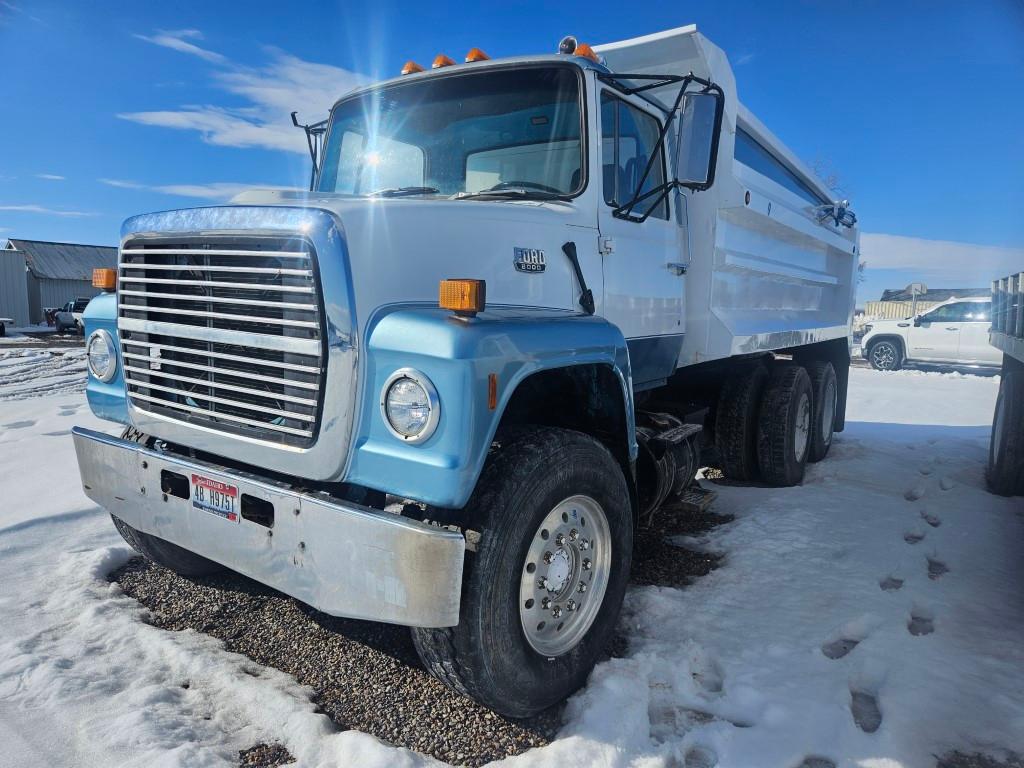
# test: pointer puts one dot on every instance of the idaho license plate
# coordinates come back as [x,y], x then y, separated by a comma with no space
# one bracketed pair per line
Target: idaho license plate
[215,497]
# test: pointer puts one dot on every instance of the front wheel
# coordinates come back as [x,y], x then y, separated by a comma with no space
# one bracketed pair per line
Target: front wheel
[885,355]
[543,591]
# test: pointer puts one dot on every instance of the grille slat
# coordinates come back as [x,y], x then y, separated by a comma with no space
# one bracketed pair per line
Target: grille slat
[224,333]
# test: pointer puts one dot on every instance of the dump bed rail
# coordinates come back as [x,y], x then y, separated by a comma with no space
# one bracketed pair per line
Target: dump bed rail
[1007,332]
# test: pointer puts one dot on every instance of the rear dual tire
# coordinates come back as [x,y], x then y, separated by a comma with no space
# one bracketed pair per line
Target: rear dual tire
[1005,473]
[784,426]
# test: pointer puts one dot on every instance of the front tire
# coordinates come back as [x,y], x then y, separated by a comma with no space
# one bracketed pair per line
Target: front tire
[520,646]
[1005,473]
[885,355]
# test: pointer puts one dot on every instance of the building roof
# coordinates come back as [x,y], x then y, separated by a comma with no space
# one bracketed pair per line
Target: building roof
[933,294]
[63,261]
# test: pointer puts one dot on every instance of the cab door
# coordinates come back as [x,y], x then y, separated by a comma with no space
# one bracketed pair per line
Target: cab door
[935,335]
[974,343]
[643,278]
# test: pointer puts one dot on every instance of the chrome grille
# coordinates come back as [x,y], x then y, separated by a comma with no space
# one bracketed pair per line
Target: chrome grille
[224,333]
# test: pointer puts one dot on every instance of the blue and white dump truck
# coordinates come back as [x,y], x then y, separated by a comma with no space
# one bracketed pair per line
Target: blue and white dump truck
[1005,473]
[525,297]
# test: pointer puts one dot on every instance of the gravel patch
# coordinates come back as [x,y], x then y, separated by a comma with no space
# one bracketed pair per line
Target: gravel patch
[264,756]
[366,676]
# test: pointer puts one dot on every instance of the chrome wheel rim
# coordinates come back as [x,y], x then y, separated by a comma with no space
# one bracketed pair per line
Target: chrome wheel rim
[828,413]
[565,576]
[883,355]
[803,426]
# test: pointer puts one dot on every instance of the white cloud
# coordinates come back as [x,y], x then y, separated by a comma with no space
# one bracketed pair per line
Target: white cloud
[178,40]
[218,190]
[49,176]
[270,93]
[744,58]
[940,260]
[32,208]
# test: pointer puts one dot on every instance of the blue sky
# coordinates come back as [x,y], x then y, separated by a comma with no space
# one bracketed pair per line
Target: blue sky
[115,108]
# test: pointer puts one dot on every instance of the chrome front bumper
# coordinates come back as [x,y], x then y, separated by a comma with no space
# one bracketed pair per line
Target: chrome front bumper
[341,558]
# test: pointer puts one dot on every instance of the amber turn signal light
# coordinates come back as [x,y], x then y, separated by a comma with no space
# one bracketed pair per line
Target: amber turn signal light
[464,297]
[411,67]
[105,279]
[475,54]
[585,51]
[442,61]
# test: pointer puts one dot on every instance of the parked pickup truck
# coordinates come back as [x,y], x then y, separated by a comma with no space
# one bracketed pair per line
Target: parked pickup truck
[4,322]
[69,317]
[952,333]
[1005,473]
[526,295]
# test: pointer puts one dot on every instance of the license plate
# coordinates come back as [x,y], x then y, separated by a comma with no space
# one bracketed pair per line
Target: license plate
[215,497]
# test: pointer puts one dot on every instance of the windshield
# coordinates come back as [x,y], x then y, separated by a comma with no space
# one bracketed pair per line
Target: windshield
[514,132]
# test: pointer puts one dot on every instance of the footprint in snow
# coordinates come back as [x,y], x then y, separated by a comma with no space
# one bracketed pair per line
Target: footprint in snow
[837,649]
[700,757]
[946,483]
[890,584]
[915,492]
[933,520]
[814,761]
[925,469]
[865,710]
[913,537]
[936,569]
[921,623]
[19,424]
[707,674]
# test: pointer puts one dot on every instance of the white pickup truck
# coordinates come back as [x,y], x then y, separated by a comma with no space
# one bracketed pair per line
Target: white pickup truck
[952,333]
[527,294]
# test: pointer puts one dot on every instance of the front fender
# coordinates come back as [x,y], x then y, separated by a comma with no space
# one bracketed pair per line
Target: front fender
[107,400]
[458,355]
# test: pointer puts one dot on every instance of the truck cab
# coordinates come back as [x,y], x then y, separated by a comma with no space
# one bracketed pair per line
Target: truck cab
[528,298]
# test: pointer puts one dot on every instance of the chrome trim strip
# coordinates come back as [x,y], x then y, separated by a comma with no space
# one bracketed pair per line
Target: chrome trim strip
[218,300]
[221,316]
[218,385]
[309,347]
[341,558]
[221,284]
[225,371]
[223,416]
[134,382]
[201,268]
[214,252]
[310,369]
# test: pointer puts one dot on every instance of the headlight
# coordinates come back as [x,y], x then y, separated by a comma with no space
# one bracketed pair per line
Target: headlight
[102,355]
[410,406]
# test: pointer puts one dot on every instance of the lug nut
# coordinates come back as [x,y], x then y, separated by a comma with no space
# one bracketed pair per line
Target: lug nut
[587,565]
[556,612]
[545,603]
[573,534]
[584,545]
[542,584]
[571,605]
[560,539]
[581,588]
[548,557]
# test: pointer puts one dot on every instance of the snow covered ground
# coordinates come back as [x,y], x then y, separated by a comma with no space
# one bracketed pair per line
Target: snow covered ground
[887,590]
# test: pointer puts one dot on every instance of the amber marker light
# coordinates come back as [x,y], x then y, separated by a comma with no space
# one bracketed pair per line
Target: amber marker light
[463,296]
[442,61]
[585,51]
[105,279]
[411,67]
[475,54]
[492,391]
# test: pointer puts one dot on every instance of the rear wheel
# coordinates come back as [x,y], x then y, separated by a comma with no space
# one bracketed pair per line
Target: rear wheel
[736,423]
[784,426]
[825,393]
[885,355]
[542,593]
[1005,474]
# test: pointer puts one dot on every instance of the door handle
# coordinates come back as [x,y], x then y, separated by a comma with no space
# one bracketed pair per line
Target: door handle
[677,267]
[951,329]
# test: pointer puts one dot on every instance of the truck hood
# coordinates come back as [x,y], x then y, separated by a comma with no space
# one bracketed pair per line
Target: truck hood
[400,248]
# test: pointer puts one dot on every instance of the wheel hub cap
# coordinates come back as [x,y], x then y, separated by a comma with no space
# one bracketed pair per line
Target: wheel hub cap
[565,576]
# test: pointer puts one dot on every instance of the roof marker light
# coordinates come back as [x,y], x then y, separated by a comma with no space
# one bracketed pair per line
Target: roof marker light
[586,52]
[442,61]
[411,67]
[475,54]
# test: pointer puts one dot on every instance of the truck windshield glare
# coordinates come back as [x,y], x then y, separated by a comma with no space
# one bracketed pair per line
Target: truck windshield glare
[501,133]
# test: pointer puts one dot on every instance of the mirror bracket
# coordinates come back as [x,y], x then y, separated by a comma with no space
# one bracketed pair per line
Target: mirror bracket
[625,210]
[315,139]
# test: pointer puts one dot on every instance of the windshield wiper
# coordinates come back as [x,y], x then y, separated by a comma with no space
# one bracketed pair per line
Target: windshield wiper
[403,191]
[511,192]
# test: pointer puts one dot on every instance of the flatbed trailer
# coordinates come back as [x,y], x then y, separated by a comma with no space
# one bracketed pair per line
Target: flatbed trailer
[1006,450]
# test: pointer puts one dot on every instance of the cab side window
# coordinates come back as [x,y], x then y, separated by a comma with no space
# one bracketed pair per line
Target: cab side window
[949,313]
[628,137]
